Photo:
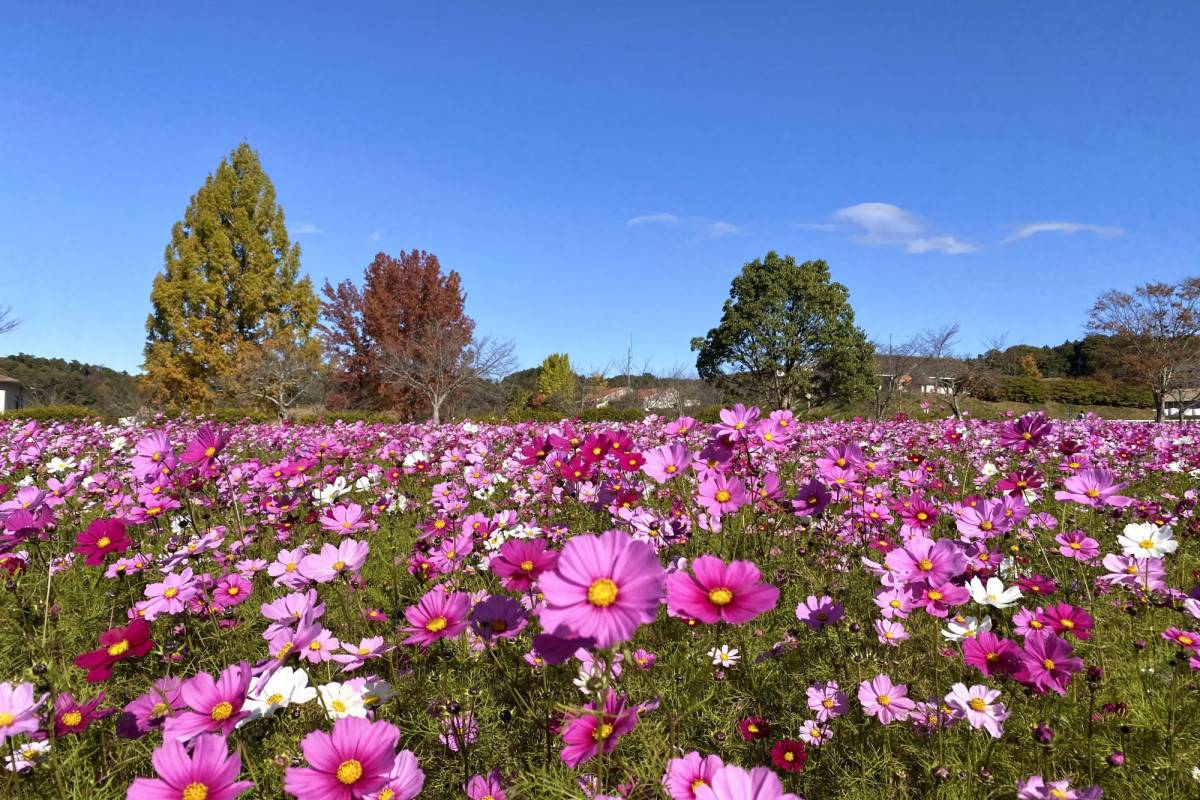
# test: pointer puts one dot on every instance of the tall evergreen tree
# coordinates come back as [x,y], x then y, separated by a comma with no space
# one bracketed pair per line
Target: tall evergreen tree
[230,281]
[787,335]
[556,381]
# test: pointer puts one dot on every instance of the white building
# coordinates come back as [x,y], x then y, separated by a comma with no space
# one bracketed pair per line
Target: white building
[10,393]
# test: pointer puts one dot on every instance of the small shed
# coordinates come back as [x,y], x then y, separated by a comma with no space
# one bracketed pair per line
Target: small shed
[10,393]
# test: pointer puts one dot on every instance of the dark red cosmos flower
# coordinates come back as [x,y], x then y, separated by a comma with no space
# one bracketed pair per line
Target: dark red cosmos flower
[789,755]
[73,716]
[117,644]
[102,537]
[753,728]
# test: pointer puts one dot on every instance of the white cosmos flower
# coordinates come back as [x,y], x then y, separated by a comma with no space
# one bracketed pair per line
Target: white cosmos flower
[58,465]
[342,700]
[959,628]
[1147,540]
[993,593]
[377,692]
[287,687]
[988,469]
[724,656]
[332,491]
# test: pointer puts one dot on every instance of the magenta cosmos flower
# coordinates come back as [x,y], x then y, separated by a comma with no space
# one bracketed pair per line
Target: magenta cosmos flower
[438,615]
[603,587]
[734,783]
[716,592]
[102,536]
[1049,664]
[483,787]
[209,773]
[587,734]
[353,761]
[521,562]
[666,462]
[885,700]
[116,644]
[720,494]
[214,705]
[686,775]
[817,612]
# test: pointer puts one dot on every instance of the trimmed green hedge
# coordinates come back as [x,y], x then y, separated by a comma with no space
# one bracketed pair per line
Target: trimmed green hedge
[63,413]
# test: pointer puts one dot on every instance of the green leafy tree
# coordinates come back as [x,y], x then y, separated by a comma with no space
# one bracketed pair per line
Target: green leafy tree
[787,335]
[556,381]
[230,283]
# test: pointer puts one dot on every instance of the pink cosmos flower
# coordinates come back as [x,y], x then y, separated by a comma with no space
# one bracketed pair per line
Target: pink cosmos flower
[924,559]
[884,700]
[73,716]
[1023,434]
[734,783]
[811,498]
[102,536]
[332,562]
[404,780]
[210,772]
[1067,619]
[1077,545]
[438,615]
[1037,788]
[667,462]
[684,776]
[344,519]
[890,633]
[498,617]
[720,494]
[586,734]
[149,711]
[285,569]
[603,587]
[827,700]
[737,423]
[18,710]
[354,656]
[521,562]
[1093,487]
[352,762]
[992,655]
[486,787]
[716,592]
[937,599]
[978,704]
[214,705]
[231,590]
[170,595]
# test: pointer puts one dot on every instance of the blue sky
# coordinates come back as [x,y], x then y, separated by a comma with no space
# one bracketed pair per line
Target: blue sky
[605,170]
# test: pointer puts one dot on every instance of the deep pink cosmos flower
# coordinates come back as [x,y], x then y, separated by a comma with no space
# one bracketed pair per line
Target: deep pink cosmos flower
[486,787]
[667,462]
[498,617]
[148,712]
[734,783]
[209,773]
[438,615]
[586,734]
[72,716]
[720,494]
[789,755]
[811,499]
[991,654]
[204,448]
[1067,619]
[1023,434]
[353,761]
[1093,487]
[684,776]
[102,536]
[714,592]
[885,700]
[404,780]
[231,590]
[116,644]
[603,587]
[214,705]
[1048,664]
[521,562]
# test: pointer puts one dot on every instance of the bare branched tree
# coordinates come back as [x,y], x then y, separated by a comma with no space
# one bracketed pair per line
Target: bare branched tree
[1157,331]
[911,364]
[438,368]
[279,375]
[7,320]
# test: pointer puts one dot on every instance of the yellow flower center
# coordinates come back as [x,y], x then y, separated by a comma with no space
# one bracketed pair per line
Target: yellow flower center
[934,594]
[72,718]
[222,711]
[1093,493]
[338,706]
[349,771]
[171,592]
[1026,435]
[986,525]
[720,596]
[275,699]
[1147,543]
[209,452]
[436,624]
[119,648]
[828,702]
[921,515]
[1067,623]
[671,469]
[602,593]
[314,645]
[527,566]
[6,718]
[103,542]
[977,703]
[1185,640]
[884,700]
[1048,663]
[723,496]
[1075,546]
[925,565]
[160,709]
[290,567]
[386,794]
[1058,794]
[195,791]
[338,566]
[603,732]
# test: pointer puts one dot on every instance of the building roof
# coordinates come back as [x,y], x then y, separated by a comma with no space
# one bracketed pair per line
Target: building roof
[5,379]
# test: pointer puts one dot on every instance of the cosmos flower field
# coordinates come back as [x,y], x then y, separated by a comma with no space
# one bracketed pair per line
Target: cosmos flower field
[757,609]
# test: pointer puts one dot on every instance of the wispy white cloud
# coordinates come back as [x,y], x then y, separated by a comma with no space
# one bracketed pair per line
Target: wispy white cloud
[374,236]
[305,227]
[667,219]
[1034,228]
[704,228]
[887,225]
